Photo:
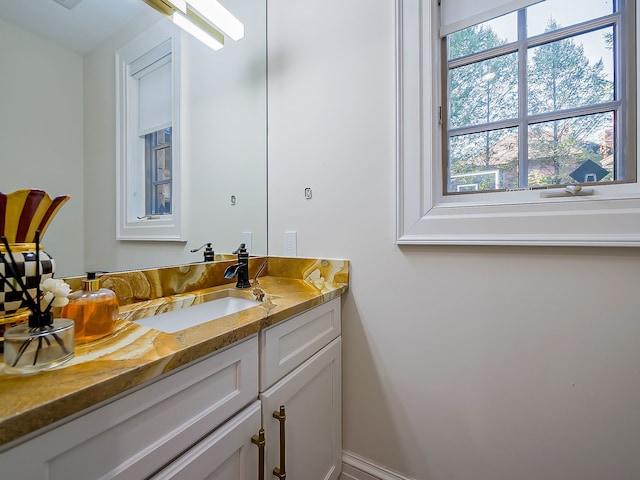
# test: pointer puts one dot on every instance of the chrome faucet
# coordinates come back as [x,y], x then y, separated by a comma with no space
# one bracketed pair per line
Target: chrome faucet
[241,268]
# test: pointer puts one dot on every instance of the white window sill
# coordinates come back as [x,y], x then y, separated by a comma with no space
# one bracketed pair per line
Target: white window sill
[160,228]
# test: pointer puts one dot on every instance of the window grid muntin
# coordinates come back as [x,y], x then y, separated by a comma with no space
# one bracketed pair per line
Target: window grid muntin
[521,46]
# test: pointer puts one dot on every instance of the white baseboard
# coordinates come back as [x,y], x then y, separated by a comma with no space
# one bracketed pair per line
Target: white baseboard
[355,467]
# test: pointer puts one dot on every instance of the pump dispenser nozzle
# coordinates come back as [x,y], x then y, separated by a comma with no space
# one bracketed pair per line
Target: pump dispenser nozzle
[91,283]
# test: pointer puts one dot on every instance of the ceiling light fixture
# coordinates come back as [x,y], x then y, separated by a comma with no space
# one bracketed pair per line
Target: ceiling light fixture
[201,18]
[218,16]
[166,7]
[205,33]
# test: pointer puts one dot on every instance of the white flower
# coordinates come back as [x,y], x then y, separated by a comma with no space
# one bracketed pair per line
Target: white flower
[55,293]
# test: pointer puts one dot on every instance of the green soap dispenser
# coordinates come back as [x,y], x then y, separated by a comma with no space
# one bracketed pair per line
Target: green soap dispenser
[93,309]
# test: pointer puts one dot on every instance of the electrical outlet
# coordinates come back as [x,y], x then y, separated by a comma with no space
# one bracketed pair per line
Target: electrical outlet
[290,244]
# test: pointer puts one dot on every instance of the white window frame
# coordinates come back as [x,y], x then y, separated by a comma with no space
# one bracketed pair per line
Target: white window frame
[130,170]
[610,217]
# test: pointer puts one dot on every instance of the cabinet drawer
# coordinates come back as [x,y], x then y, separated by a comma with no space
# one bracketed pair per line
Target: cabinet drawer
[288,344]
[136,435]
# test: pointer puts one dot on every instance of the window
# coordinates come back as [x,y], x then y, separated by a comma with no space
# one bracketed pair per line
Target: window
[537,95]
[505,105]
[150,77]
[158,172]
[148,126]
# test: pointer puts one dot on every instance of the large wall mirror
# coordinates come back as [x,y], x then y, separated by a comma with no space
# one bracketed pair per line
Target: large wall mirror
[58,132]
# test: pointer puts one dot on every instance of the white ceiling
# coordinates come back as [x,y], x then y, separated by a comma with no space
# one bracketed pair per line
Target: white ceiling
[80,29]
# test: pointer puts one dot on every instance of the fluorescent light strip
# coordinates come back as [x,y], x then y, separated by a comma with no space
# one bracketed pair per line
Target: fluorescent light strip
[187,25]
[195,22]
[217,15]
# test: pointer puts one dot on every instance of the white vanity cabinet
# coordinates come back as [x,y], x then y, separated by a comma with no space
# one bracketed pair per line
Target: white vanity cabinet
[202,422]
[136,435]
[300,376]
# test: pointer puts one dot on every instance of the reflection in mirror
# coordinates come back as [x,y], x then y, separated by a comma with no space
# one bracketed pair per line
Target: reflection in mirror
[57,129]
[148,135]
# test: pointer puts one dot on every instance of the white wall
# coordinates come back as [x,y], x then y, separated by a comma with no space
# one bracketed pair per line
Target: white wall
[41,133]
[460,363]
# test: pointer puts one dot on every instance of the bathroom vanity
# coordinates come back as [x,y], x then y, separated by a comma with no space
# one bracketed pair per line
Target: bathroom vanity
[200,414]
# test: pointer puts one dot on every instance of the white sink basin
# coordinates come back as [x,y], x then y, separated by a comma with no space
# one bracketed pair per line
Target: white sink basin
[176,320]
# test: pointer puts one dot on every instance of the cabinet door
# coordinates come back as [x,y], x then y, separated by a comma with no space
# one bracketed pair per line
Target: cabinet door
[225,454]
[311,396]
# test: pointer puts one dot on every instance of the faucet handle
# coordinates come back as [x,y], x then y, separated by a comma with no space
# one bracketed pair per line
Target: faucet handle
[208,252]
[241,249]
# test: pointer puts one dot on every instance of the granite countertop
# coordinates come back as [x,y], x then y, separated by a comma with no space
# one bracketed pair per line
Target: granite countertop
[134,355]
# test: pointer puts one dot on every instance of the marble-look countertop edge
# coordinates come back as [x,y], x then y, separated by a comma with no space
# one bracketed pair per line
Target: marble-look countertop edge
[76,395]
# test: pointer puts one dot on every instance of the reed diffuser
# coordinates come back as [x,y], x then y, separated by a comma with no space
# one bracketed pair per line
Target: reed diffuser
[43,342]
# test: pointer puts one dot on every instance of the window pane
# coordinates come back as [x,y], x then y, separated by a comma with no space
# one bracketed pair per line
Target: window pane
[573,72]
[483,36]
[484,92]
[163,165]
[163,199]
[483,161]
[557,149]
[562,13]
[164,136]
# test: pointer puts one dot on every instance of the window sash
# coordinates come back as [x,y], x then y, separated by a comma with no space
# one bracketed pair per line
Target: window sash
[623,159]
[152,147]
